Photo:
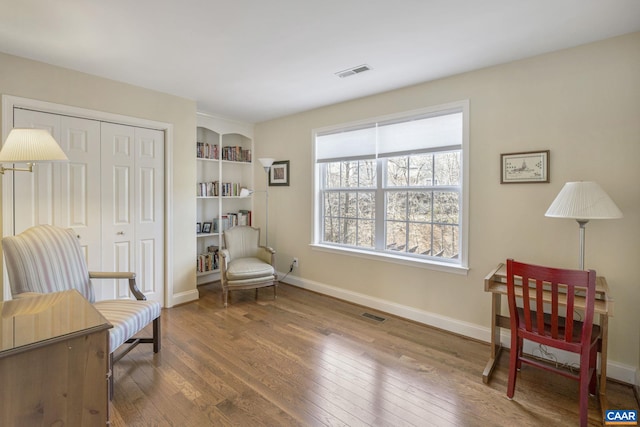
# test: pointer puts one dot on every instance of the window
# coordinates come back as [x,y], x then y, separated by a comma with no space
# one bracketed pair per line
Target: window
[395,187]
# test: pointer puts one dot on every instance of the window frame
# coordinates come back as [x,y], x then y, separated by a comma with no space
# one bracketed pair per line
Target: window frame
[459,267]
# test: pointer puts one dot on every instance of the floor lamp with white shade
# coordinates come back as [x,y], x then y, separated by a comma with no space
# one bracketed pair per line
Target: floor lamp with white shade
[583,201]
[266,164]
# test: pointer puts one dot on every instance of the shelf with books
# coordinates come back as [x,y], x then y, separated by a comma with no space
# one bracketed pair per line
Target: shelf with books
[223,170]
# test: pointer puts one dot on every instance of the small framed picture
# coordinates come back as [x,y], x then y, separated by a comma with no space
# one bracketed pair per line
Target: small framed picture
[279,173]
[206,227]
[198,227]
[525,168]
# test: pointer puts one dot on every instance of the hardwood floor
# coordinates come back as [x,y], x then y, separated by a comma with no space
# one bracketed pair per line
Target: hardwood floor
[310,360]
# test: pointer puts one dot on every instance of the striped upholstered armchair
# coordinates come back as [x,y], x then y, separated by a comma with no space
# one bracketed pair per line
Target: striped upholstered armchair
[47,259]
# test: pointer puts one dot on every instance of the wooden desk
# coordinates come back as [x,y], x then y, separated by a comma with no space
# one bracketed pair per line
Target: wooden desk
[53,362]
[496,283]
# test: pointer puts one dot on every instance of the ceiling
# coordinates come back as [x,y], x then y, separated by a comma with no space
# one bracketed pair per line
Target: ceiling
[254,60]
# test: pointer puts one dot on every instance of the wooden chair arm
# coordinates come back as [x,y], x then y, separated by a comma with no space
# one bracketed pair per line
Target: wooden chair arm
[268,255]
[225,257]
[268,249]
[111,275]
[133,287]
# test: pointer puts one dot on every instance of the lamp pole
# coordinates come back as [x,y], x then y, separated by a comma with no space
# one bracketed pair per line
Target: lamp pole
[582,223]
[266,164]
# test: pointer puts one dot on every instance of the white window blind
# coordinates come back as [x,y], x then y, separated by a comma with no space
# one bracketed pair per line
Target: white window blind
[391,137]
[350,144]
[419,135]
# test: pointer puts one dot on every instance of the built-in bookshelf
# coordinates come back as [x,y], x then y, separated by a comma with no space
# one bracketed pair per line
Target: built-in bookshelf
[223,196]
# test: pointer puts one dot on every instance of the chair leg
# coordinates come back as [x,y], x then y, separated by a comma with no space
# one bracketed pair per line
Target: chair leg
[156,335]
[586,378]
[584,396]
[225,295]
[514,361]
[593,368]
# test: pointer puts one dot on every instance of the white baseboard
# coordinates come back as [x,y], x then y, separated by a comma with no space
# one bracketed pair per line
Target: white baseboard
[183,297]
[625,373]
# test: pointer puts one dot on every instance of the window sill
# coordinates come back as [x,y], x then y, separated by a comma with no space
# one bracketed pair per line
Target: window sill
[392,258]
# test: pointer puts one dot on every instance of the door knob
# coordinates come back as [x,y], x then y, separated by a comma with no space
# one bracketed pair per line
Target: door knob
[120,233]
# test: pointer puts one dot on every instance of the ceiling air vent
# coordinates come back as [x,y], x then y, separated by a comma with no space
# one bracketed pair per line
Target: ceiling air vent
[353,71]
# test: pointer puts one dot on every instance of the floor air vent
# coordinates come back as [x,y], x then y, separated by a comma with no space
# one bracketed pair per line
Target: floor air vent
[373,317]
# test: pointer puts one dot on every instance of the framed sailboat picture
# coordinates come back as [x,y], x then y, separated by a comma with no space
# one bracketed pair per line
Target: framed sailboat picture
[525,168]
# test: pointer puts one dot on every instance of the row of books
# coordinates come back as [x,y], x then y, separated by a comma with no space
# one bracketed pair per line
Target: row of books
[236,154]
[226,221]
[208,261]
[207,151]
[215,188]
[231,219]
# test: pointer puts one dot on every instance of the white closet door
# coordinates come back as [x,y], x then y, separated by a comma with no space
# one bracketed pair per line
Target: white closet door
[63,194]
[35,193]
[149,207]
[133,197]
[80,207]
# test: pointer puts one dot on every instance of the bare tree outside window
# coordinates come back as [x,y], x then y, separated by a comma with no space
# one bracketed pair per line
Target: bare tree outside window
[420,218]
[349,203]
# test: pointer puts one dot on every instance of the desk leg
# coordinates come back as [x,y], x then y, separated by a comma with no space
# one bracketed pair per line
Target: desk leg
[496,304]
[604,329]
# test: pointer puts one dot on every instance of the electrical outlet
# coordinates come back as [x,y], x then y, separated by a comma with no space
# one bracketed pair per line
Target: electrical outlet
[295,262]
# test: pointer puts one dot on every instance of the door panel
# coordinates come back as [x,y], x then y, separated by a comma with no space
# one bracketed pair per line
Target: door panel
[149,200]
[35,192]
[121,195]
[117,228]
[122,257]
[63,194]
[80,207]
[133,186]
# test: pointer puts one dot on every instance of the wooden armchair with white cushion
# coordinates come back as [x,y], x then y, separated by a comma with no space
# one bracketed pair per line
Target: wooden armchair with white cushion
[46,259]
[244,264]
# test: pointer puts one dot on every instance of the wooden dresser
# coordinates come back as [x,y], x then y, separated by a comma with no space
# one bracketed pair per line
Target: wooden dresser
[53,362]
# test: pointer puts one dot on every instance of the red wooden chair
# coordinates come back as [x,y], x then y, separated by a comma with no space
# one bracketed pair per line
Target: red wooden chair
[556,329]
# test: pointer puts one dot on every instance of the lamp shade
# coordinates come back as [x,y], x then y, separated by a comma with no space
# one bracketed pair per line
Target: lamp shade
[583,201]
[266,162]
[30,146]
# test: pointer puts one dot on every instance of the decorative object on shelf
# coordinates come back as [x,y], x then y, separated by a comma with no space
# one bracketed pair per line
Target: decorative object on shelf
[526,167]
[206,227]
[198,227]
[266,164]
[279,173]
[583,201]
[30,146]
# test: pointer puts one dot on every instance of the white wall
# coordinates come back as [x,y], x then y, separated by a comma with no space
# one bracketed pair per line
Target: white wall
[583,104]
[30,79]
